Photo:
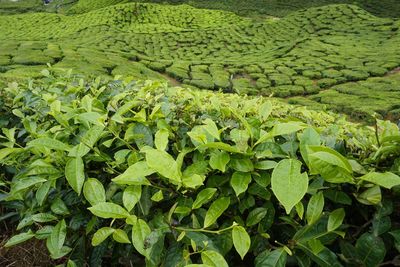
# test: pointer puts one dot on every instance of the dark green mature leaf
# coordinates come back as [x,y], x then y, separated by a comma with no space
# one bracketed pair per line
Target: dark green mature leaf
[51,143]
[324,258]
[241,240]
[215,211]
[288,184]
[315,207]
[274,258]
[75,174]
[255,216]
[335,219]
[109,210]
[203,197]
[371,249]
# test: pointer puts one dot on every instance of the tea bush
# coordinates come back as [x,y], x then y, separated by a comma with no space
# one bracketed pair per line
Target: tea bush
[155,175]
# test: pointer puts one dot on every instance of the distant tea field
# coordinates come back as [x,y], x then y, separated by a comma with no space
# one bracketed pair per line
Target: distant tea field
[344,57]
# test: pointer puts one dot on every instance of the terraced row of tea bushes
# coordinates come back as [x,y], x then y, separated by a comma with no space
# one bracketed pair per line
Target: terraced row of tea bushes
[154,175]
[380,95]
[385,8]
[299,55]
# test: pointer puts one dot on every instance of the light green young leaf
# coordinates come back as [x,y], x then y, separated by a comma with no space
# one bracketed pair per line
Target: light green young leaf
[265,110]
[94,192]
[288,183]
[314,208]
[213,258]
[211,128]
[164,164]
[20,238]
[241,240]
[371,196]
[203,197]
[74,172]
[161,139]
[215,211]
[135,174]
[300,210]
[101,235]
[4,152]
[240,182]
[140,230]
[335,219]
[158,196]
[192,181]
[219,160]
[109,210]
[386,180]
[120,236]
[131,196]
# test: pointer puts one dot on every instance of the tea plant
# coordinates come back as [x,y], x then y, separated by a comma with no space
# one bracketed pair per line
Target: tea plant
[155,175]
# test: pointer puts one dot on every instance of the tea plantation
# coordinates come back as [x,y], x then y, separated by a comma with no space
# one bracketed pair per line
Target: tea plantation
[200,133]
[307,53]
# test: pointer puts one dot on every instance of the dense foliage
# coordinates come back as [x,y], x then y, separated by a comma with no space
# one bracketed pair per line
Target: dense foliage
[175,177]
[313,56]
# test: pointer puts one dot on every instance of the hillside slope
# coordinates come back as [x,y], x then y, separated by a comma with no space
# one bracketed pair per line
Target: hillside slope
[299,56]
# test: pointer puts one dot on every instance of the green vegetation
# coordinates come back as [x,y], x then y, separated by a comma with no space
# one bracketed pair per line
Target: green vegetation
[155,133]
[171,176]
[300,55]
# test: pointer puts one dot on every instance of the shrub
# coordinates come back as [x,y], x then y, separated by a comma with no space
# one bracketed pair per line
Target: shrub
[160,175]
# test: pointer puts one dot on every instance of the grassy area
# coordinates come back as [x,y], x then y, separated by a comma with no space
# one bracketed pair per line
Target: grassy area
[299,56]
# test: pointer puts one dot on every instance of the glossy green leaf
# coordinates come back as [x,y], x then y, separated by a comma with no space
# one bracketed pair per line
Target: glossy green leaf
[213,258]
[94,192]
[135,174]
[288,183]
[203,197]
[241,240]
[219,160]
[140,230]
[161,139]
[215,211]
[109,210]
[274,258]
[120,236]
[101,235]
[335,219]
[386,180]
[240,182]
[131,196]
[371,249]
[19,238]
[315,207]
[164,164]
[50,143]
[255,216]
[75,174]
